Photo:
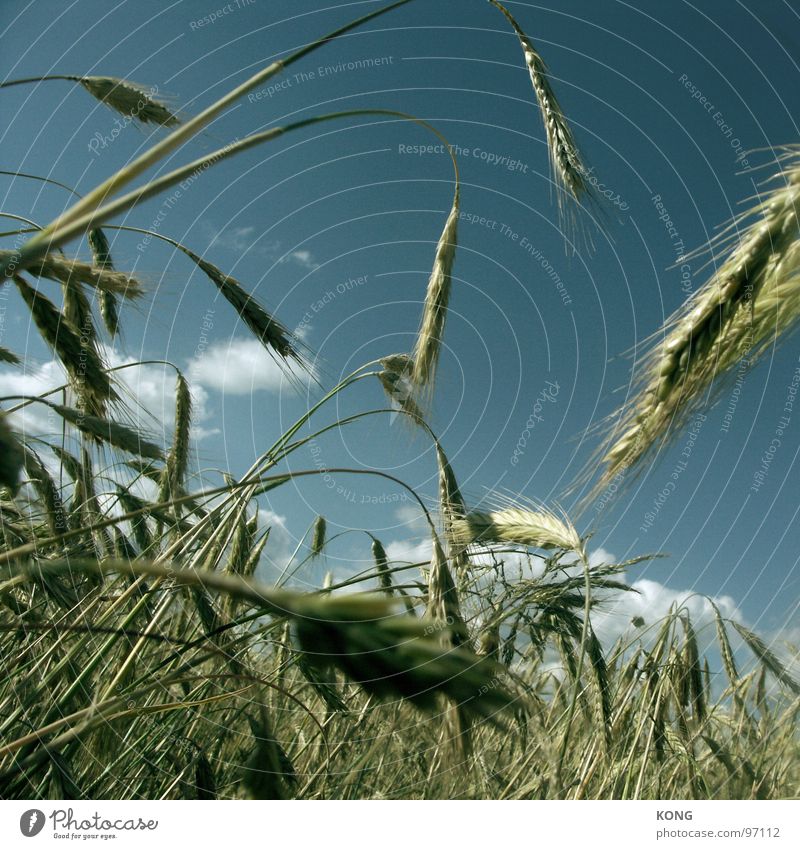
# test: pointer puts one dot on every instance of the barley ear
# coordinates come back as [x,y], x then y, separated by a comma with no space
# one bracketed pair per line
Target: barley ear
[116,435]
[425,357]
[54,266]
[81,360]
[749,302]
[569,172]
[382,566]
[536,528]
[174,473]
[452,506]
[768,659]
[47,492]
[443,604]
[318,536]
[101,257]
[268,330]
[130,99]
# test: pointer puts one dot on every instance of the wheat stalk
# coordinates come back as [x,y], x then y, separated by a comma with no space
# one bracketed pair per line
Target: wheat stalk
[750,301]
[565,159]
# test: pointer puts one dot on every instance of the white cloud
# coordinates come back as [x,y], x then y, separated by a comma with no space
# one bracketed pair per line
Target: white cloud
[148,390]
[279,547]
[412,518]
[242,366]
[614,615]
[303,258]
[34,419]
[407,551]
[651,602]
[240,240]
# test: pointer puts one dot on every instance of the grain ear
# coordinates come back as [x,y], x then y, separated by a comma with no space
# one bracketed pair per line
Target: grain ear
[538,529]
[131,100]
[569,172]
[425,357]
[748,302]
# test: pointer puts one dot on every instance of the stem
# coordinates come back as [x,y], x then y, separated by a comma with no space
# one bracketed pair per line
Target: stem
[40,243]
[587,606]
[45,78]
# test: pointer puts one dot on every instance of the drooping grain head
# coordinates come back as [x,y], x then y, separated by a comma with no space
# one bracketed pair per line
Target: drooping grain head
[9,357]
[396,381]
[48,493]
[391,655]
[80,359]
[130,99]
[101,250]
[101,257]
[73,271]
[569,172]
[114,434]
[749,302]
[267,329]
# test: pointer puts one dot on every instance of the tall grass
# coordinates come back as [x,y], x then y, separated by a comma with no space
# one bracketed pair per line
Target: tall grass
[143,657]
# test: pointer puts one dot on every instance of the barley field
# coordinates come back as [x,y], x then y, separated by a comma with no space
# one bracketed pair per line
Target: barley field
[330,516]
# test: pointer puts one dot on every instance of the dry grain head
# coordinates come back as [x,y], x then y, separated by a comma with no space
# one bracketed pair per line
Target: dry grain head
[82,362]
[516,525]
[565,160]
[268,330]
[130,99]
[749,302]
[427,349]
[397,383]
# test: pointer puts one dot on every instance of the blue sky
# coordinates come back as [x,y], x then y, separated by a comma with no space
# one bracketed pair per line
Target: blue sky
[334,228]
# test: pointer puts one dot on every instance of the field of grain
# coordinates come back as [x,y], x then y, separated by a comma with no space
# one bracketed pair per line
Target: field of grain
[148,654]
